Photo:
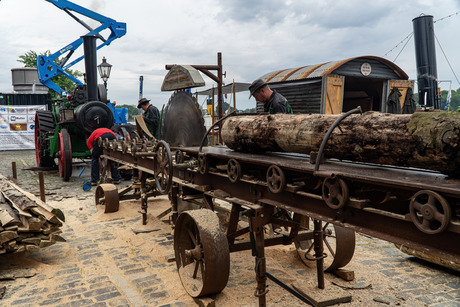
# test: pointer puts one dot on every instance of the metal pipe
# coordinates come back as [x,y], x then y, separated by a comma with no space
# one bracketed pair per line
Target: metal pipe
[425,56]
[289,289]
[89,46]
[319,252]
[219,93]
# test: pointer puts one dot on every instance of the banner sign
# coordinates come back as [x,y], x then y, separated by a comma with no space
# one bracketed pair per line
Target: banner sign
[17,127]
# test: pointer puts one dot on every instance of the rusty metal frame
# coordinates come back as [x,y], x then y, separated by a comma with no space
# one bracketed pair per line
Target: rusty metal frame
[385,217]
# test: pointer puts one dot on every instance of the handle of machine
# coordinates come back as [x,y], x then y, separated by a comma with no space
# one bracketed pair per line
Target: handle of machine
[329,132]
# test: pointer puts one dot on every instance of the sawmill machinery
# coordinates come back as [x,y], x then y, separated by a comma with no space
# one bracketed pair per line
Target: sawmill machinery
[314,200]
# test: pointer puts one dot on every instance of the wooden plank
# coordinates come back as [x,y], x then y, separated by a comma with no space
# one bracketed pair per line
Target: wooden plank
[7,235]
[38,201]
[7,215]
[20,209]
[334,95]
[48,215]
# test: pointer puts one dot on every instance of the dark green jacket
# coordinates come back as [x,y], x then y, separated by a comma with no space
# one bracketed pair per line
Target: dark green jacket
[277,104]
[152,119]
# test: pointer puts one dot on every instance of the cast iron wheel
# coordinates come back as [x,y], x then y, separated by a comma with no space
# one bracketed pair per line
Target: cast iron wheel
[44,123]
[107,195]
[233,170]
[202,253]
[65,155]
[430,212]
[276,179]
[335,193]
[163,167]
[339,246]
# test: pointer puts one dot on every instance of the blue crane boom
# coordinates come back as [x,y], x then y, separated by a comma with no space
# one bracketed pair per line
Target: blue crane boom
[46,66]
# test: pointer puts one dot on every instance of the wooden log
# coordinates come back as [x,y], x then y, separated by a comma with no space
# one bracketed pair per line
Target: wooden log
[40,211]
[7,215]
[20,209]
[30,224]
[33,240]
[21,202]
[36,200]
[7,235]
[426,140]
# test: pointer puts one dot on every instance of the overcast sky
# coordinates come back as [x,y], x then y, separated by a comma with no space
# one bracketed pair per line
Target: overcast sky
[255,37]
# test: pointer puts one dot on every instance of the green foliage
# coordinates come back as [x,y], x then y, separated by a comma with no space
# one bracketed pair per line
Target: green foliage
[132,111]
[29,59]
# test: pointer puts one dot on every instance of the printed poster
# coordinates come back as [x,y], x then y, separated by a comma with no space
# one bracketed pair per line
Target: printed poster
[17,127]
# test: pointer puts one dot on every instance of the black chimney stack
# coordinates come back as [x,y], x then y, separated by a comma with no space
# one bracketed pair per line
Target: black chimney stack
[425,56]
[89,48]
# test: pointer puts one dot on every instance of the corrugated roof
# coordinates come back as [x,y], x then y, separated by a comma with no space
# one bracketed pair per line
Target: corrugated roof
[319,70]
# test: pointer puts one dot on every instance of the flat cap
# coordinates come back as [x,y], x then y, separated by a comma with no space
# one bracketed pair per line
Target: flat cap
[142,101]
[255,86]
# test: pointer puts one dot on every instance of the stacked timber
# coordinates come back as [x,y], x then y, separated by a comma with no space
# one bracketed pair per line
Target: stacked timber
[428,140]
[26,223]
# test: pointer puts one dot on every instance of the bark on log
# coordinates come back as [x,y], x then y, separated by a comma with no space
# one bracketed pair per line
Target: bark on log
[424,139]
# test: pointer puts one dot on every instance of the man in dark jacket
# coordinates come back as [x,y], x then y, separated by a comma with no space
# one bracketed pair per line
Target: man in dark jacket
[273,101]
[150,116]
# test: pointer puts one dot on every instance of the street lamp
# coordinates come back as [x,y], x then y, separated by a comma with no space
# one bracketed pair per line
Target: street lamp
[104,71]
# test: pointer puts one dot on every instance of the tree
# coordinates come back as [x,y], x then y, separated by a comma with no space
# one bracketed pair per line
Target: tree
[252,110]
[29,59]
[132,111]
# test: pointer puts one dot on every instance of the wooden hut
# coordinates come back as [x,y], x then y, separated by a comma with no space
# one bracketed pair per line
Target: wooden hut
[336,87]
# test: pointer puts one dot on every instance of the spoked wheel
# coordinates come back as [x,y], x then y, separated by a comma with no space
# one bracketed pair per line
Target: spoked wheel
[107,195]
[430,212]
[163,167]
[276,180]
[335,192]
[203,164]
[44,123]
[202,254]
[234,170]
[64,155]
[339,246]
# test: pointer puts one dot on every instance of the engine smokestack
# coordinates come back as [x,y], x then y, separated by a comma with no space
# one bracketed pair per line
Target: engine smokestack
[89,49]
[425,56]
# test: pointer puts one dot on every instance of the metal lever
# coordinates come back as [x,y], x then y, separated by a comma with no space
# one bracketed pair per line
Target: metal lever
[329,132]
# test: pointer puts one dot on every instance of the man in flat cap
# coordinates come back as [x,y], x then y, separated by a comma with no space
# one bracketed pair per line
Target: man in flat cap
[151,115]
[273,101]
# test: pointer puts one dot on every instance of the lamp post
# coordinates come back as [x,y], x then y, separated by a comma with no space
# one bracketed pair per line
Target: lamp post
[104,71]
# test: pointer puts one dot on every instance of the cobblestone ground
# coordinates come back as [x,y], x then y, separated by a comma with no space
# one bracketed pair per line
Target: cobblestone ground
[104,263]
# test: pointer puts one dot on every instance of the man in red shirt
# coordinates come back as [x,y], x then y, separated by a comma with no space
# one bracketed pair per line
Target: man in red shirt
[96,152]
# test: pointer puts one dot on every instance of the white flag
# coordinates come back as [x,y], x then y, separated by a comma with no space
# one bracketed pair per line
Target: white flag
[449,95]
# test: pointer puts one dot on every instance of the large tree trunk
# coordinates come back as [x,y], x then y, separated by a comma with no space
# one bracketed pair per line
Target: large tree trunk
[424,139]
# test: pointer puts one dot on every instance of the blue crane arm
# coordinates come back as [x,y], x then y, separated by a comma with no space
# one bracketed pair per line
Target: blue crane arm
[47,67]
